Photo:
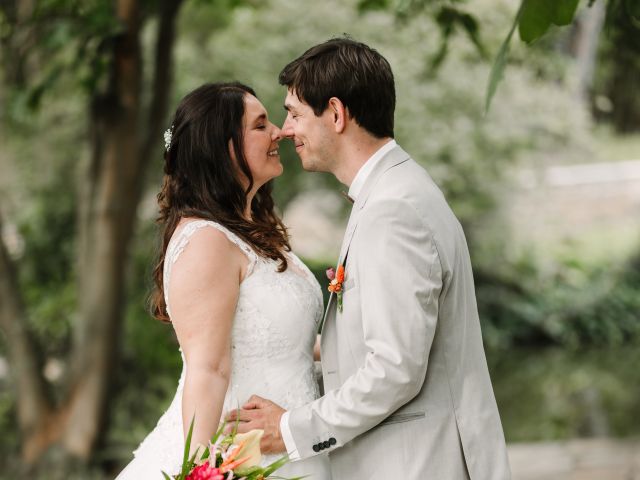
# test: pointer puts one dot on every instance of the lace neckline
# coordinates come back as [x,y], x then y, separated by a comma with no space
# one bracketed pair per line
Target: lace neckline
[180,240]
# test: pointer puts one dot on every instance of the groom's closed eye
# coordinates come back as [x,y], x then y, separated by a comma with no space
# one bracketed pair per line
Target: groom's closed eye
[291,110]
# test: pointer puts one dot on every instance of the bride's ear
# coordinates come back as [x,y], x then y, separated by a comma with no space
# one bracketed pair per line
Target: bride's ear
[338,114]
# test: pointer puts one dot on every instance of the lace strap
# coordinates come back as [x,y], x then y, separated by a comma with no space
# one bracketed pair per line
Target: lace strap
[180,241]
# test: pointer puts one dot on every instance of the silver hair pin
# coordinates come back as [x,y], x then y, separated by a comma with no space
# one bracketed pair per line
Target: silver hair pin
[167,138]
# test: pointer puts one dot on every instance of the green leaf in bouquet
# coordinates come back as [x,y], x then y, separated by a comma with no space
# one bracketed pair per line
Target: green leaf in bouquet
[215,437]
[285,478]
[276,465]
[248,472]
[192,460]
[205,454]
[186,462]
[166,477]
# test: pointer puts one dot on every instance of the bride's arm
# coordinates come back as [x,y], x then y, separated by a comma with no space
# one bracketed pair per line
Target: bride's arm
[203,293]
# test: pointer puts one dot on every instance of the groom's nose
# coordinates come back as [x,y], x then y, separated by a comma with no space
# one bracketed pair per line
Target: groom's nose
[287,128]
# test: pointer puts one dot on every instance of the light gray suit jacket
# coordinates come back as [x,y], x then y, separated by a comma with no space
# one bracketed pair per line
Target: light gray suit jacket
[408,393]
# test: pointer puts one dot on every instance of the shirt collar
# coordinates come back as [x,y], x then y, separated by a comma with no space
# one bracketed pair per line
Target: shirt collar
[367,167]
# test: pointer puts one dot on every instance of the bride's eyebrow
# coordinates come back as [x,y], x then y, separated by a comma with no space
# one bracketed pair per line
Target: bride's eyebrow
[260,118]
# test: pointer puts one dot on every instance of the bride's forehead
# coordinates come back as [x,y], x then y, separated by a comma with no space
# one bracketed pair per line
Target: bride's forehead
[253,108]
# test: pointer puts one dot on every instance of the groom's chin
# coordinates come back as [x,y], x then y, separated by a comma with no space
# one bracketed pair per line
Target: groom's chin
[310,166]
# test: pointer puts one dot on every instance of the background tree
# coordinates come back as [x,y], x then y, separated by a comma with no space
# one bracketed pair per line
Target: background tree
[620,73]
[99,42]
[69,215]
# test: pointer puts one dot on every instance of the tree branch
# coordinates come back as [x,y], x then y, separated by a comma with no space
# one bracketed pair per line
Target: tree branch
[162,81]
[30,386]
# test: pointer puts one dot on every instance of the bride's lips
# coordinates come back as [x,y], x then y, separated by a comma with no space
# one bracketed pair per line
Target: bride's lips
[273,153]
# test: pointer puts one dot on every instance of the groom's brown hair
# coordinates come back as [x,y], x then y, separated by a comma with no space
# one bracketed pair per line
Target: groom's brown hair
[351,71]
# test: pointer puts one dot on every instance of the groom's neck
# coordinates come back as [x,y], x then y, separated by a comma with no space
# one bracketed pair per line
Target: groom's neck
[355,151]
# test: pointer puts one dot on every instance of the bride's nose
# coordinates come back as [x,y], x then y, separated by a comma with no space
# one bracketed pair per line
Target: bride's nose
[276,133]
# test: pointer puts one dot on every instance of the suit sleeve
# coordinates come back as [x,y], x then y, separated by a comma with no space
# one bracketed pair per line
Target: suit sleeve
[399,277]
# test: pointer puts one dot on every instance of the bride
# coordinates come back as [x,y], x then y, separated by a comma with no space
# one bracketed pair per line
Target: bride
[244,308]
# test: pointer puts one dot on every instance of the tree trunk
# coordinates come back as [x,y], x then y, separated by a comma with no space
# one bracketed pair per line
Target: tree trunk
[118,168]
[622,59]
[33,406]
[584,46]
[16,46]
[111,209]
[110,193]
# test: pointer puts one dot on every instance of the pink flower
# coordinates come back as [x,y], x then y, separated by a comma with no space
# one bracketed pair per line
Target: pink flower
[331,273]
[205,472]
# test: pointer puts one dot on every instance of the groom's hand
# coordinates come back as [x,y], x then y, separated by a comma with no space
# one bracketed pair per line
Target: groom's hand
[263,414]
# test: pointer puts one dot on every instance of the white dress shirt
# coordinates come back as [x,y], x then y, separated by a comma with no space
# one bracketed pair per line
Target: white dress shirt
[367,167]
[354,191]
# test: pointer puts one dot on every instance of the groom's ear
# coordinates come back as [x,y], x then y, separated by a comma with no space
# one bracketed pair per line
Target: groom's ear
[338,114]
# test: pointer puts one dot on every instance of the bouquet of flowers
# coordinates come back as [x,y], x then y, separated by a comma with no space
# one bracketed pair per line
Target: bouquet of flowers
[236,456]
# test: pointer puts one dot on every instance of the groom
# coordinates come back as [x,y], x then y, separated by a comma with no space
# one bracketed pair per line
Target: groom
[408,393]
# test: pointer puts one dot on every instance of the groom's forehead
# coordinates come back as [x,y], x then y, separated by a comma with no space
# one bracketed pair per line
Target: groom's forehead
[292,100]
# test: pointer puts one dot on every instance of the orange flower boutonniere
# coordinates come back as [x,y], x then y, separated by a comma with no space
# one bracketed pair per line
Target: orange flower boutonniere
[336,279]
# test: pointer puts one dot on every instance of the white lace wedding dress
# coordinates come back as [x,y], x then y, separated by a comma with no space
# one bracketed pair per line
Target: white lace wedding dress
[273,334]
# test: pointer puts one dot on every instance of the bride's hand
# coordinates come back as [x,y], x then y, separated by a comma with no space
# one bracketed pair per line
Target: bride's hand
[260,414]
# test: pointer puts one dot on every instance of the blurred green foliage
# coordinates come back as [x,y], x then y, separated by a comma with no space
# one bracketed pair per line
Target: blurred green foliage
[572,305]
[47,279]
[557,393]
[148,374]
[439,120]
[617,78]
[537,16]
[439,117]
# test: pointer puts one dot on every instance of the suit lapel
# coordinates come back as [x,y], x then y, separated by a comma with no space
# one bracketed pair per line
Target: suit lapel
[394,157]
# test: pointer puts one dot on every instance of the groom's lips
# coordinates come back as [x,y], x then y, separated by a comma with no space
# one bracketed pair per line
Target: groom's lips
[299,145]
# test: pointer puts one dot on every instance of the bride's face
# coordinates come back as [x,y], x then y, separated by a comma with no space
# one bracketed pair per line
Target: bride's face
[261,139]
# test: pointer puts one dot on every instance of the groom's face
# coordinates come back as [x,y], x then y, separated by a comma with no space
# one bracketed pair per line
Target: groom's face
[310,134]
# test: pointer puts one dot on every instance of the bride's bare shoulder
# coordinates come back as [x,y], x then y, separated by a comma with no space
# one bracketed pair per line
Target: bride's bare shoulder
[199,245]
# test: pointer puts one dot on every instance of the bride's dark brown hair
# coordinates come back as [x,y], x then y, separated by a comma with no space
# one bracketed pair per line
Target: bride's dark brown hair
[202,180]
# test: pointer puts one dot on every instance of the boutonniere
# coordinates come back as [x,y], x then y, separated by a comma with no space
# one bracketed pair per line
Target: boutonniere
[336,279]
